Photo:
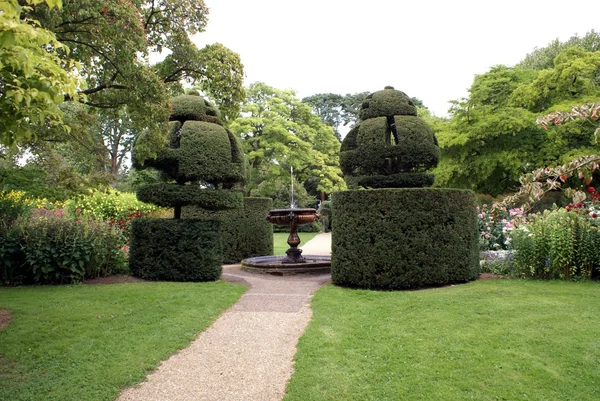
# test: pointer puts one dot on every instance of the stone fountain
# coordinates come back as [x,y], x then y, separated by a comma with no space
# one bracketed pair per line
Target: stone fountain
[293,262]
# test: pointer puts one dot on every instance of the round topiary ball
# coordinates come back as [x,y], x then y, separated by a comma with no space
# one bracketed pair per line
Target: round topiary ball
[388,102]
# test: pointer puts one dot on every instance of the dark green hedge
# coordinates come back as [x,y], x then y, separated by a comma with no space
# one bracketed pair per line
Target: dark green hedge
[389,141]
[404,238]
[193,107]
[402,180]
[175,250]
[387,102]
[245,232]
[171,195]
[206,154]
[375,158]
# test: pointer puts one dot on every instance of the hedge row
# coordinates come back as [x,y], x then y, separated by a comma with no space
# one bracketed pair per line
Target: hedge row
[170,195]
[175,250]
[245,232]
[404,238]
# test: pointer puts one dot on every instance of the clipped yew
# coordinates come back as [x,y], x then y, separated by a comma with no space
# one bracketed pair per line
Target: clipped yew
[245,233]
[202,161]
[390,230]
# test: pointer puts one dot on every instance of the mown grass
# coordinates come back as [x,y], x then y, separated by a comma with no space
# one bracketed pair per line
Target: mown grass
[87,342]
[280,241]
[486,340]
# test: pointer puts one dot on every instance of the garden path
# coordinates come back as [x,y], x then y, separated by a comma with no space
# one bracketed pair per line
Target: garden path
[247,353]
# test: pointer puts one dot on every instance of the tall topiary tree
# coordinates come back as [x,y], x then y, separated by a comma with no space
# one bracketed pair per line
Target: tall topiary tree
[202,162]
[398,234]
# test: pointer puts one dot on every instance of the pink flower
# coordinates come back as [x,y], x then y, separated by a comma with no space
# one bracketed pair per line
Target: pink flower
[487,236]
[489,228]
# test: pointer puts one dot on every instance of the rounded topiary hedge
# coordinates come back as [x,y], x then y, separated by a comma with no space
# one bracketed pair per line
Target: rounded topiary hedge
[245,232]
[404,238]
[175,249]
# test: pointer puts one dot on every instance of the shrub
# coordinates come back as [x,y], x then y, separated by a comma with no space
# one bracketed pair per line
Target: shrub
[208,158]
[557,244]
[175,250]
[12,205]
[245,232]
[54,249]
[404,238]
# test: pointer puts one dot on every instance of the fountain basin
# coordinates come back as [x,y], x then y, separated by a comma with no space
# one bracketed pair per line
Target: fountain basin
[275,265]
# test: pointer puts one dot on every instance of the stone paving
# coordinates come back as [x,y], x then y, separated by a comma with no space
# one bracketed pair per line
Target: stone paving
[247,354]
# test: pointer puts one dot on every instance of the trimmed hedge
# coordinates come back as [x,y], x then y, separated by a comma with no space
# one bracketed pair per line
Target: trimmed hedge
[390,141]
[188,107]
[169,195]
[388,102]
[404,238]
[245,232]
[175,250]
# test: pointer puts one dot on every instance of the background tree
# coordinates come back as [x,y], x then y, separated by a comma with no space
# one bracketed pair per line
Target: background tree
[337,110]
[33,76]
[111,40]
[278,131]
[543,58]
[492,138]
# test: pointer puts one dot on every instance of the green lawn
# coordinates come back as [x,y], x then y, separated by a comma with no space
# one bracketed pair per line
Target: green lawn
[87,342]
[280,241]
[486,340]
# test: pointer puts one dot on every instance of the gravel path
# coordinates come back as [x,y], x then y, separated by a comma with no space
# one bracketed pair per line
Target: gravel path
[247,353]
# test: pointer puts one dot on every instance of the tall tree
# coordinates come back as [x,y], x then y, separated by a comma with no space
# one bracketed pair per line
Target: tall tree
[111,40]
[543,58]
[492,138]
[33,76]
[279,132]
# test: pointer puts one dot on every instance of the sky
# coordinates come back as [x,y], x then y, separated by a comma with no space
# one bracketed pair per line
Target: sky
[431,50]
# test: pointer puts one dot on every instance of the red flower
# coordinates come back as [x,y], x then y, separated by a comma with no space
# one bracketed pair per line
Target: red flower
[594,215]
[563,178]
[591,190]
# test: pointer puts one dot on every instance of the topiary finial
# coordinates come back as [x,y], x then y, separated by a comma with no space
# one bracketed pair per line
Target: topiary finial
[391,146]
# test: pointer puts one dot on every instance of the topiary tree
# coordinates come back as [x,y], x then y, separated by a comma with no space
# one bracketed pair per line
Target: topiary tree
[398,234]
[202,162]
[391,147]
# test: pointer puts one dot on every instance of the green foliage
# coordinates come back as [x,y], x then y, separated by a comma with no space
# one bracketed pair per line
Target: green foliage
[170,195]
[387,103]
[336,110]
[404,238]
[543,58]
[111,41]
[92,341]
[56,250]
[278,132]
[492,138]
[280,190]
[245,232]
[110,205]
[558,244]
[175,250]
[34,74]
[486,340]
[12,205]
[391,147]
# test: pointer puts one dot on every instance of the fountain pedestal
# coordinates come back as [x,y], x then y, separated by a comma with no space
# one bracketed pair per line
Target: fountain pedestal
[294,262]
